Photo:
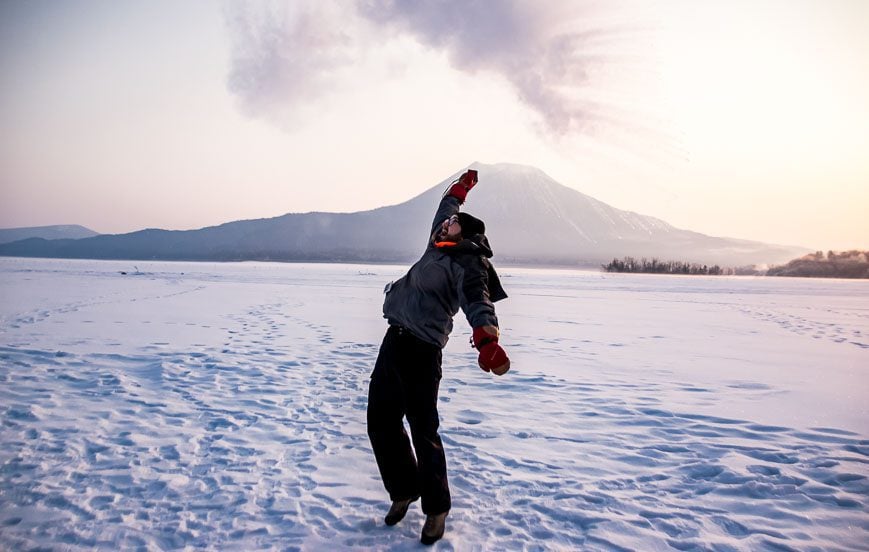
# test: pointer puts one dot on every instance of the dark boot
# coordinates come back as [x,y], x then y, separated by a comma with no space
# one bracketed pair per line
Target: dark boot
[433,529]
[398,510]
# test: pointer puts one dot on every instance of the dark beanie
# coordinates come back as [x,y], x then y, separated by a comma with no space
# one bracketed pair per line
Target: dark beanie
[471,226]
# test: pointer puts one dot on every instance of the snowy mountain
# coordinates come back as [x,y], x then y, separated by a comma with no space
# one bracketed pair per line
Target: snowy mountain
[63,231]
[530,219]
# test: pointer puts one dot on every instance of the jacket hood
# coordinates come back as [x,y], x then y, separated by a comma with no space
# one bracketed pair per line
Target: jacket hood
[477,244]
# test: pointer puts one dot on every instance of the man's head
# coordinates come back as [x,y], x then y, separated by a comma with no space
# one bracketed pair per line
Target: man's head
[461,225]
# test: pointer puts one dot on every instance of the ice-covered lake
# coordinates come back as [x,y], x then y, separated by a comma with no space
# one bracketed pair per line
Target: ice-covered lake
[222,406]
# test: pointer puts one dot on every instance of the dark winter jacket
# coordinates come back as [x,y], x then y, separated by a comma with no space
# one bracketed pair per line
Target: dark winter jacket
[443,280]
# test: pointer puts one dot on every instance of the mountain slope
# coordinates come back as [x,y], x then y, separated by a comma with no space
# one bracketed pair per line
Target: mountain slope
[576,227]
[62,231]
[530,219]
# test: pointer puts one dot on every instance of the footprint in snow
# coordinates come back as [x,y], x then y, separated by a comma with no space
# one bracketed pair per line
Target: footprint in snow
[471,417]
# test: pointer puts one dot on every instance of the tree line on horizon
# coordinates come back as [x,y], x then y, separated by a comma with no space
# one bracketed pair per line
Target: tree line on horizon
[655,266]
[845,264]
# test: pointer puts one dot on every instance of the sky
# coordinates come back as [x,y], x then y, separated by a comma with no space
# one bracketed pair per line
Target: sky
[745,119]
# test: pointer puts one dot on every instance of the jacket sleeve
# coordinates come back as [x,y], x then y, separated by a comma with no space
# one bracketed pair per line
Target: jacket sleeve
[448,207]
[474,292]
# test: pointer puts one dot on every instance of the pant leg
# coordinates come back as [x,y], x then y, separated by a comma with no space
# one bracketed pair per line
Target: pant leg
[420,385]
[386,409]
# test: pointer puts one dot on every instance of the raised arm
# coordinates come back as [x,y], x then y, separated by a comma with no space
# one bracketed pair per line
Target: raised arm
[454,198]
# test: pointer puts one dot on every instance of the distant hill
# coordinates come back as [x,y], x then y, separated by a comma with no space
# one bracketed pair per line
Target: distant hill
[531,219]
[847,264]
[58,232]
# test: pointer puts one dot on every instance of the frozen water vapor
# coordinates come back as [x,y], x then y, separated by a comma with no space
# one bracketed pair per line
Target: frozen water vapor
[552,53]
[547,50]
[284,54]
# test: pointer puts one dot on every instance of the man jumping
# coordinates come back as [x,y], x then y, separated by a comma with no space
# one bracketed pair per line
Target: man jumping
[454,272]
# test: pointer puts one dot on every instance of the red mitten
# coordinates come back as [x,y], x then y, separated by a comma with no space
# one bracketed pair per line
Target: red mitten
[492,357]
[460,189]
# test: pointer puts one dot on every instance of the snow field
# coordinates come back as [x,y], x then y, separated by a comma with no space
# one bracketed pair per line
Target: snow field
[208,406]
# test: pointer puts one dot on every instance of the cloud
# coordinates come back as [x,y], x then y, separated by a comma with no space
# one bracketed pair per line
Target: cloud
[554,54]
[285,54]
[518,40]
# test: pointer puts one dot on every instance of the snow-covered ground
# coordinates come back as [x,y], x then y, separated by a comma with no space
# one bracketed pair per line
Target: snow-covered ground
[222,406]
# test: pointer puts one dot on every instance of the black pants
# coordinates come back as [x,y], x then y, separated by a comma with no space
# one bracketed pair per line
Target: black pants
[405,383]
